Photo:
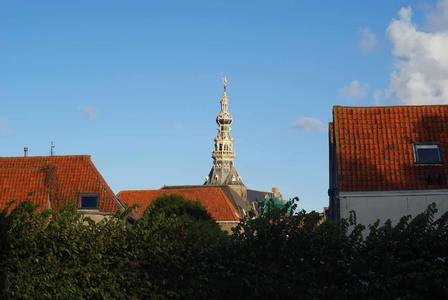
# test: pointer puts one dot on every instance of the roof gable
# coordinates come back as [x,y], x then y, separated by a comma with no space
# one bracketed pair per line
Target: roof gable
[54,180]
[374,146]
[213,199]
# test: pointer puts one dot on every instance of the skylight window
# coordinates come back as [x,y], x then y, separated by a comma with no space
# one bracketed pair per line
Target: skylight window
[88,201]
[427,153]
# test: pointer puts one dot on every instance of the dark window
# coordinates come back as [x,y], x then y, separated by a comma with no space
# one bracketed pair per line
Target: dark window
[129,223]
[427,153]
[88,201]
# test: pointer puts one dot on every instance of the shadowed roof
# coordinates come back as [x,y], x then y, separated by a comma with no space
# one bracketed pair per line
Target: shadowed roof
[213,199]
[374,146]
[53,179]
[239,203]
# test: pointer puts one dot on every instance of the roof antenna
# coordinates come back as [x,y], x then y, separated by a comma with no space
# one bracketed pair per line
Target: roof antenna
[51,149]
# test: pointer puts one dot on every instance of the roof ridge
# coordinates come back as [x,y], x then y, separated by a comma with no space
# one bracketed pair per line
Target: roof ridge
[164,190]
[40,156]
[391,106]
[21,169]
[191,185]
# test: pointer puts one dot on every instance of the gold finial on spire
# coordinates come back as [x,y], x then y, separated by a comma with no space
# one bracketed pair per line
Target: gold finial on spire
[224,80]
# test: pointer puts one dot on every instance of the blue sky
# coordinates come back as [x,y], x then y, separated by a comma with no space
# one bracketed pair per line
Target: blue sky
[136,84]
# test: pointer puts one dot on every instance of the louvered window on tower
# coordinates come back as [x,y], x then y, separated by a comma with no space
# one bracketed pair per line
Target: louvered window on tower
[427,153]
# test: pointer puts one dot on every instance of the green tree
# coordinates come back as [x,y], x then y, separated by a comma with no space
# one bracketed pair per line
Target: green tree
[176,244]
[176,206]
[283,254]
[62,255]
[177,251]
[408,260]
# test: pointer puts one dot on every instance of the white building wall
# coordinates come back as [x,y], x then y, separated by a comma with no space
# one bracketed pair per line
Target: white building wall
[370,206]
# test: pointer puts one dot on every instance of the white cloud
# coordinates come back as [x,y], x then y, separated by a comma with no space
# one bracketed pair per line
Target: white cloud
[377,96]
[437,17]
[309,124]
[368,41]
[355,91]
[421,65]
[90,111]
[3,127]
[179,126]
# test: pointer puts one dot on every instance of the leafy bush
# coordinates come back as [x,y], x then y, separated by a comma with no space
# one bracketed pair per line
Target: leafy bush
[282,256]
[62,255]
[176,251]
[175,243]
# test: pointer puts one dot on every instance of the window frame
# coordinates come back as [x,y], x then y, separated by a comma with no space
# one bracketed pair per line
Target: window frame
[415,146]
[81,195]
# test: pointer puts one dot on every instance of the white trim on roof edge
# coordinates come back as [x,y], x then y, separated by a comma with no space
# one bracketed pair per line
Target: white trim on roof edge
[394,193]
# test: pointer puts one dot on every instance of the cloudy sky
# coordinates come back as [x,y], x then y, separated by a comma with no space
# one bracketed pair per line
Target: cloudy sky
[136,84]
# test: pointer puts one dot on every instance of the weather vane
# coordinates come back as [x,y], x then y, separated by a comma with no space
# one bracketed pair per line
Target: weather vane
[224,80]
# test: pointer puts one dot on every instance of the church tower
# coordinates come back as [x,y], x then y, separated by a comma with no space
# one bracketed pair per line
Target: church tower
[223,171]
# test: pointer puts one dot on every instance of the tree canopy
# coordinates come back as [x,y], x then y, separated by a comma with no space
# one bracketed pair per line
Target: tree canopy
[177,251]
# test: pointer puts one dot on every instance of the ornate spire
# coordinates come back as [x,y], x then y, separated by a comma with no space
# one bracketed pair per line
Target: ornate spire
[223,170]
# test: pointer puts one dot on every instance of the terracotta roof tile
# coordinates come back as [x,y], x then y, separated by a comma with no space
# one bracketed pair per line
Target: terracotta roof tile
[374,146]
[213,199]
[67,176]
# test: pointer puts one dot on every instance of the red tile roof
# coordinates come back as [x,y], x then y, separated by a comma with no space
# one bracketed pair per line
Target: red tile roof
[213,199]
[374,146]
[58,178]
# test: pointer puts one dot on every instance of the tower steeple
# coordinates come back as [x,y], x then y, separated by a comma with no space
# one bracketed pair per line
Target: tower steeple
[223,171]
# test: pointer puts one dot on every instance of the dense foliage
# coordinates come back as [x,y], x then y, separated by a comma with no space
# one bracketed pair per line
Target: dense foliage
[176,251]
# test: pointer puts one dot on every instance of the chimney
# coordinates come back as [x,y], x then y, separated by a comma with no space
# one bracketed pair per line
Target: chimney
[25,151]
[275,190]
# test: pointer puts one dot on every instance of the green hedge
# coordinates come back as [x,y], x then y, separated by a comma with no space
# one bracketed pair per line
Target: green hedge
[176,251]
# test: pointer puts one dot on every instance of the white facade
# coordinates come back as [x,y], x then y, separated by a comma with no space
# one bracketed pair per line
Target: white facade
[384,205]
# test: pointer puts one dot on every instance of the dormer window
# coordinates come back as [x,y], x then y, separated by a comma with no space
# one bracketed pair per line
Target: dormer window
[88,201]
[427,153]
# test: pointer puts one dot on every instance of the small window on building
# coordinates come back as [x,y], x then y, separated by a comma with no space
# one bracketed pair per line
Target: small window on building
[129,223]
[427,153]
[88,201]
